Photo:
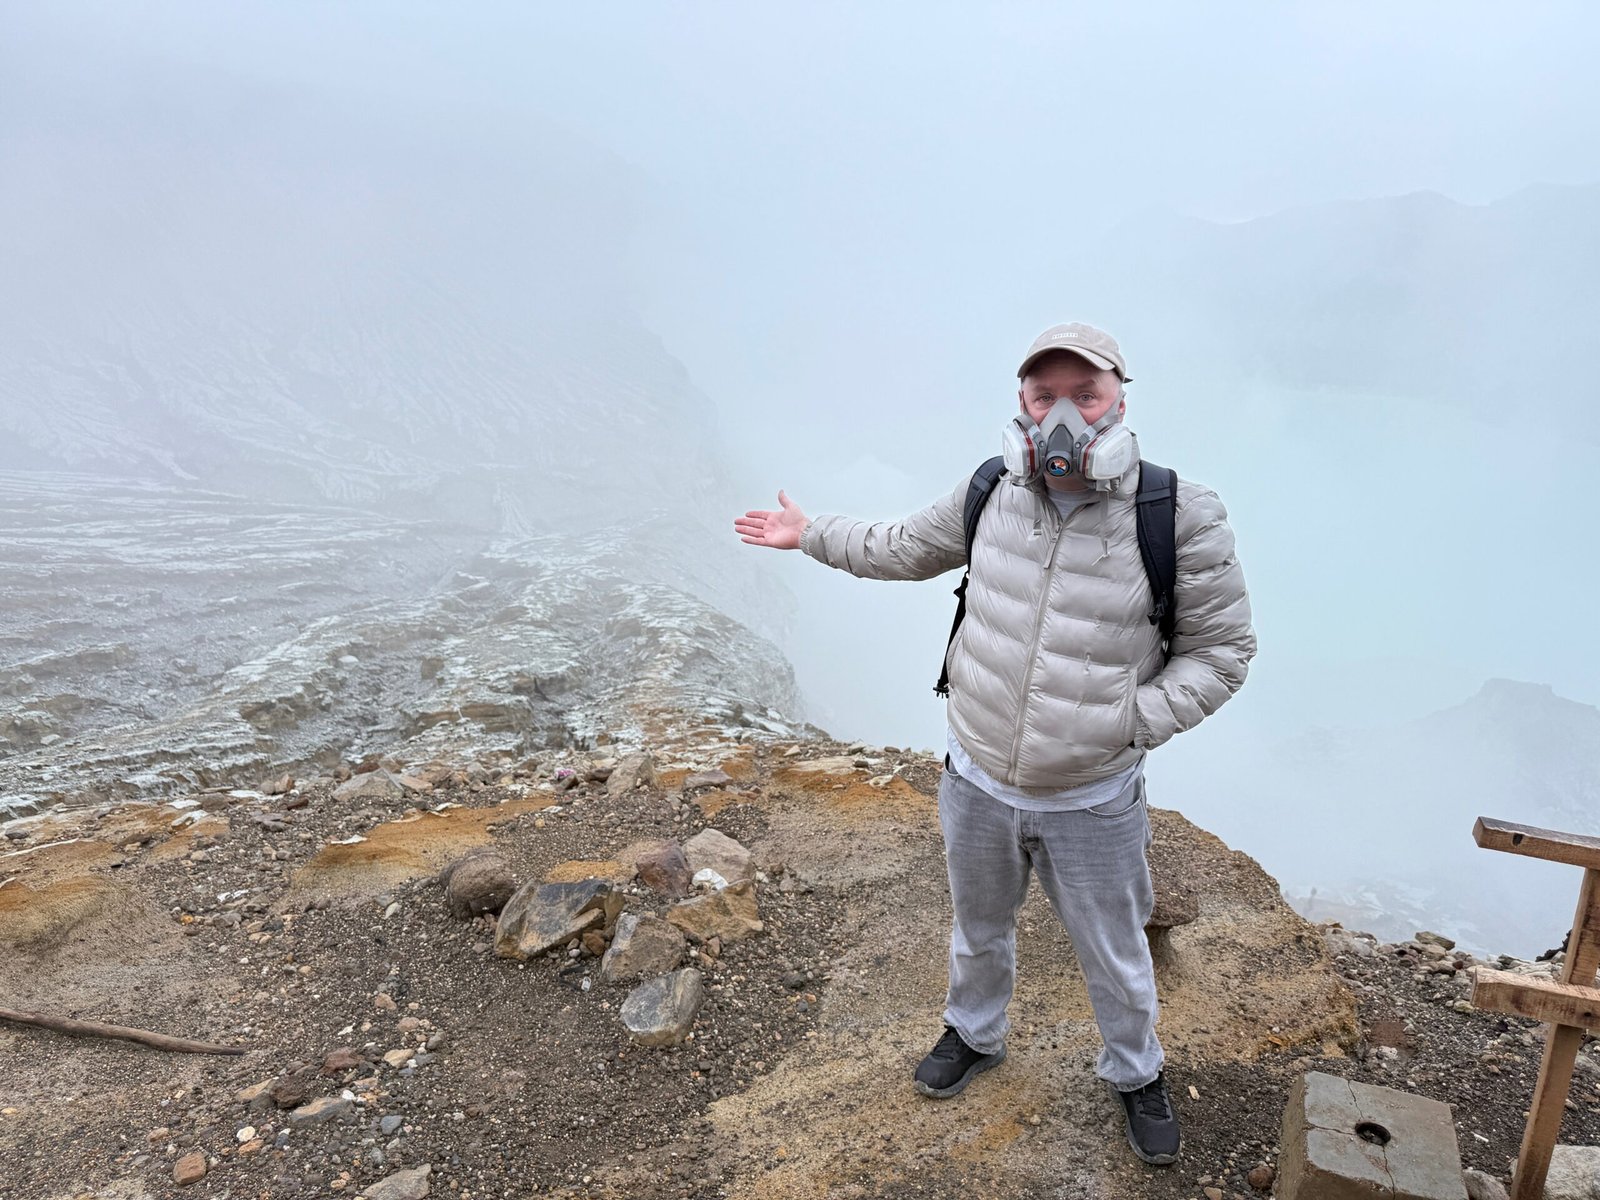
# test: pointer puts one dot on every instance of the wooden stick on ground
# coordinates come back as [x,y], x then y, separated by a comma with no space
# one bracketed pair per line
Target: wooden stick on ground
[99,1029]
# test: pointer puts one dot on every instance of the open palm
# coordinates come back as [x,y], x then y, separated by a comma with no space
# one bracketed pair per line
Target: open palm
[781,529]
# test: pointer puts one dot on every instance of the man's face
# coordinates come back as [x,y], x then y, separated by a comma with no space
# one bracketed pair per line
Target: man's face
[1063,375]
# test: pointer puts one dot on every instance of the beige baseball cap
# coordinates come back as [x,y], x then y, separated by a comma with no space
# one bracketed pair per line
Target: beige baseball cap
[1095,345]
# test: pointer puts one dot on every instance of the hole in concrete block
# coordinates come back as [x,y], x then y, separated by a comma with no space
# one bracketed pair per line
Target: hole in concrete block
[1371,1131]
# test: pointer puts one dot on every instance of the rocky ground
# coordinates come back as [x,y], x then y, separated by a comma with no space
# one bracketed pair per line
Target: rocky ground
[390,1051]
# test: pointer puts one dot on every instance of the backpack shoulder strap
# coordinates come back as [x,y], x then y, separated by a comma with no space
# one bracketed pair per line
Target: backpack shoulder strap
[978,493]
[979,490]
[1156,510]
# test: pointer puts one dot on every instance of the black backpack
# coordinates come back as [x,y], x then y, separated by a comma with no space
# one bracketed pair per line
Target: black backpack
[1157,515]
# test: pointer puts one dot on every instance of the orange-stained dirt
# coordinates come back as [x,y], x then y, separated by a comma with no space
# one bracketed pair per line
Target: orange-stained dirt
[414,846]
[576,869]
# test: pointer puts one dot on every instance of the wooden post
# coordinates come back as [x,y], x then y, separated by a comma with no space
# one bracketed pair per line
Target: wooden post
[1583,959]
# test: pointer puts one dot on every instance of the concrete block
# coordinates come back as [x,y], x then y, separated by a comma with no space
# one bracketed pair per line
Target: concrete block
[1353,1141]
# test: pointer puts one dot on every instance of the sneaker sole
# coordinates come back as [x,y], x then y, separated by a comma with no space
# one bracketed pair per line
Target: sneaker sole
[977,1068]
[1155,1160]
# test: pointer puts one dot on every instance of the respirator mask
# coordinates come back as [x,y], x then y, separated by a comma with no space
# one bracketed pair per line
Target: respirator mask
[1064,444]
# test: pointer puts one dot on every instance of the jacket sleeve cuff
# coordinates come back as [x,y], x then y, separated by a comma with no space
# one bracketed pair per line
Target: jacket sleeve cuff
[1148,736]
[808,538]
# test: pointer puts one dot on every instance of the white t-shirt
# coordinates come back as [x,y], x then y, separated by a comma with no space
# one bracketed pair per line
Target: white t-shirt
[1087,795]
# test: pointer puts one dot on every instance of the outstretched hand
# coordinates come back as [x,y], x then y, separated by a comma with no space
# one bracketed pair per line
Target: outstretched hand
[781,530]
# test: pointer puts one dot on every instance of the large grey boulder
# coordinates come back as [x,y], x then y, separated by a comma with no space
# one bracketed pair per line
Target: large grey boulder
[541,917]
[713,849]
[644,945]
[661,1011]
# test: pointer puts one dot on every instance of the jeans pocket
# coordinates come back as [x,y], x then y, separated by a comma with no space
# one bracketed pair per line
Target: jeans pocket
[1119,805]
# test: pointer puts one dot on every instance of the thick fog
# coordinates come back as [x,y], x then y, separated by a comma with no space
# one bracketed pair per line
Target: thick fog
[532,268]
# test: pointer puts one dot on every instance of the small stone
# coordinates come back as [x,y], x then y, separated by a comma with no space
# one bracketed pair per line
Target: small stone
[1428,938]
[384,1002]
[293,1086]
[320,1112]
[402,1185]
[399,1058]
[477,884]
[245,1134]
[390,1125]
[729,915]
[1261,1178]
[1212,1193]
[373,785]
[257,1095]
[594,943]
[635,770]
[716,777]
[661,1012]
[663,868]
[1481,1186]
[644,945]
[341,1060]
[191,1168]
[714,850]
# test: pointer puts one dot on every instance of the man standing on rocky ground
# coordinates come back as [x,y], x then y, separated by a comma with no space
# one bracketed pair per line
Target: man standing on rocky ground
[1060,681]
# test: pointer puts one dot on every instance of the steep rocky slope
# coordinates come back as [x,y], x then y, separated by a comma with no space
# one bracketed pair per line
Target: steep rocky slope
[295,924]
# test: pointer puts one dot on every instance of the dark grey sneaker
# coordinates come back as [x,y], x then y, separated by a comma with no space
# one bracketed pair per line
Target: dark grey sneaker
[1152,1122]
[951,1064]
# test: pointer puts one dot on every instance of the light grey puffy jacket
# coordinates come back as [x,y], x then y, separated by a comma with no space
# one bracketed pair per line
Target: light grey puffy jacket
[1056,676]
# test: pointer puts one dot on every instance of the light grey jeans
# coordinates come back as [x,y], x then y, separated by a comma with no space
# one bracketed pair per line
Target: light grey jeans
[1092,866]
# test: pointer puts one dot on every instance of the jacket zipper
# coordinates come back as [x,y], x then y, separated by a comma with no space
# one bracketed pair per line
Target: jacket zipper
[1038,631]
